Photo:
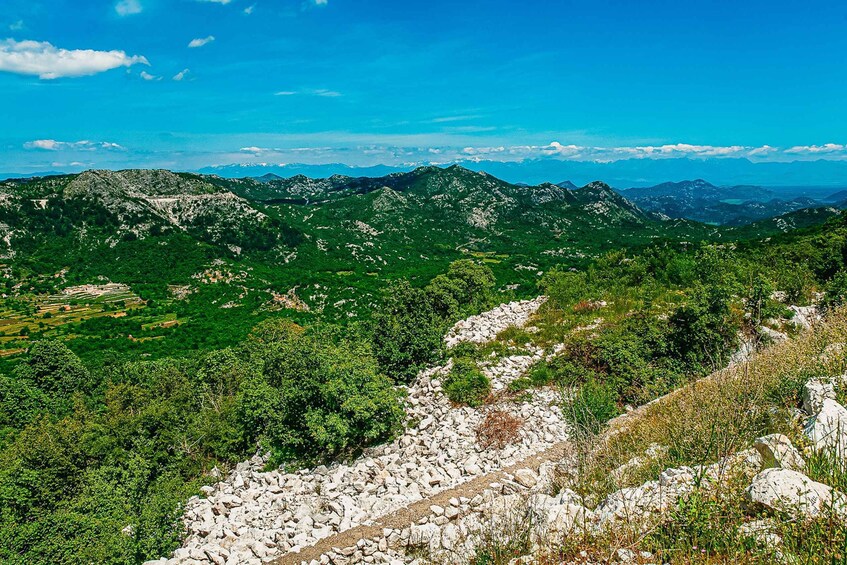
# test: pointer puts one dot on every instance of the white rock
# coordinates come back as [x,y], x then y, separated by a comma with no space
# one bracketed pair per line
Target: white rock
[777,451]
[814,393]
[828,429]
[526,478]
[794,493]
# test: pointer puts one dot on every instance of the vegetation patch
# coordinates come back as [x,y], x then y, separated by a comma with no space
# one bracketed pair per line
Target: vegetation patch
[466,383]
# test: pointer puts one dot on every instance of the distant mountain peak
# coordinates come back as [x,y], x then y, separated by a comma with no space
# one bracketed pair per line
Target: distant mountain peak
[268,177]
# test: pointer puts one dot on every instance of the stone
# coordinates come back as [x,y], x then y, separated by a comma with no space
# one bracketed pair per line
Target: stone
[639,507]
[625,555]
[762,531]
[814,393]
[828,428]
[423,534]
[777,451]
[794,493]
[526,478]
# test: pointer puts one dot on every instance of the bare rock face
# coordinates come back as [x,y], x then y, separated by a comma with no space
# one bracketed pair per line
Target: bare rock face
[805,316]
[777,451]
[795,494]
[828,428]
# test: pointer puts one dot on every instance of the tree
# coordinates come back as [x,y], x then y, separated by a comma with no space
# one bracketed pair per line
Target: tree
[318,400]
[56,371]
[704,330]
[475,281]
[407,332]
[465,287]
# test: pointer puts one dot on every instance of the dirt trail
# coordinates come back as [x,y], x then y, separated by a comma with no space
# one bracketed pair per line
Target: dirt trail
[410,514]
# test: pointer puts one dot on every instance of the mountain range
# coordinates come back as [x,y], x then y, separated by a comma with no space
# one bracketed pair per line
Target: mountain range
[790,179]
[725,205]
[157,227]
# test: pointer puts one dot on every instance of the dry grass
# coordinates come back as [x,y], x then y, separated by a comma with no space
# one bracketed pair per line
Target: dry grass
[498,429]
[703,423]
[719,415]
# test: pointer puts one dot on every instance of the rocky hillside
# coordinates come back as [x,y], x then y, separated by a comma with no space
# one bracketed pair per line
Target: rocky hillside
[726,205]
[442,494]
[106,207]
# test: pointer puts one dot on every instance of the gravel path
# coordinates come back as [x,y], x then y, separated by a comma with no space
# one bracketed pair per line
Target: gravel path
[412,513]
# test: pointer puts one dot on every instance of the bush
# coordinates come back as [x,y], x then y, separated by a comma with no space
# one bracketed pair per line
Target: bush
[589,407]
[317,400]
[564,288]
[466,384]
[835,291]
[407,333]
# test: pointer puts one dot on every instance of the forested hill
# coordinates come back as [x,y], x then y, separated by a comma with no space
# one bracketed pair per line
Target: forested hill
[194,260]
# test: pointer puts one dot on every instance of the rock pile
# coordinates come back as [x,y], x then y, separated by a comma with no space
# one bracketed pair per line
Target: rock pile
[503,371]
[486,326]
[773,467]
[253,515]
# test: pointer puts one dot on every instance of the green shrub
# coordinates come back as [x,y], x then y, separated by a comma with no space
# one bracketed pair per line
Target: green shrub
[589,407]
[836,291]
[317,400]
[466,383]
[407,332]
[564,288]
[520,384]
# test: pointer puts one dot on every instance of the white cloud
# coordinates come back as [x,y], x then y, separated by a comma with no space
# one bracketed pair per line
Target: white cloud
[574,152]
[201,41]
[249,9]
[147,76]
[323,92]
[16,26]
[321,2]
[128,7]
[85,145]
[181,74]
[223,2]
[816,149]
[41,59]
[762,151]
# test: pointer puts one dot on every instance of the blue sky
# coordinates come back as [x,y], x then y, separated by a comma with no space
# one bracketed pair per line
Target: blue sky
[189,83]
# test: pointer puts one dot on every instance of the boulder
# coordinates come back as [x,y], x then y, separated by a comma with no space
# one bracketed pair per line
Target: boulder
[814,393]
[777,451]
[794,493]
[638,507]
[828,428]
[526,478]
